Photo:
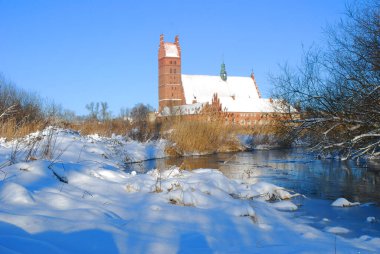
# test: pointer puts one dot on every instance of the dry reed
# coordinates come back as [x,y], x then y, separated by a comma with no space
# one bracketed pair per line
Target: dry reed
[10,129]
[201,136]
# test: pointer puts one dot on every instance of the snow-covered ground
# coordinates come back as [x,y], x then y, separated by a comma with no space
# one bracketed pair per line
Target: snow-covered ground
[77,199]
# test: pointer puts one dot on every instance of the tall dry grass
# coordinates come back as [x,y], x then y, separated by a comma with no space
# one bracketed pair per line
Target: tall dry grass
[103,128]
[139,130]
[11,128]
[212,132]
[201,136]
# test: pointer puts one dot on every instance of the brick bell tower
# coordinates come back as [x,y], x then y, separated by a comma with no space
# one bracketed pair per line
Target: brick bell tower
[170,89]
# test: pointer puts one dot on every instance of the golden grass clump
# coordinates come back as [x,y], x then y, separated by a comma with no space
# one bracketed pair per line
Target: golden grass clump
[10,129]
[201,136]
[104,128]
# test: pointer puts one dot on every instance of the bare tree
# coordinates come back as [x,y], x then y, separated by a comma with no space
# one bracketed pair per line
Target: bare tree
[98,111]
[93,110]
[69,115]
[140,112]
[19,105]
[142,130]
[125,113]
[105,114]
[337,89]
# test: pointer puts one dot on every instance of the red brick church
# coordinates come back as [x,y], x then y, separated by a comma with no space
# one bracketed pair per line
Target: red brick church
[182,94]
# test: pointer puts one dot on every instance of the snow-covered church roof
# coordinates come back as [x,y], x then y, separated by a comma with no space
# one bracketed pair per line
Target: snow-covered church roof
[236,94]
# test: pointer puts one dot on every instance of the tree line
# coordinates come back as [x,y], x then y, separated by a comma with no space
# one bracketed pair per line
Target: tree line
[22,112]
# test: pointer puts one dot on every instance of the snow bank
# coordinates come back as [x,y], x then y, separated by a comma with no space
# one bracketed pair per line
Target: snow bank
[67,145]
[102,209]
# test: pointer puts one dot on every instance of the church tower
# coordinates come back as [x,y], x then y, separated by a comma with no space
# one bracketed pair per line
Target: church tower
[170,89]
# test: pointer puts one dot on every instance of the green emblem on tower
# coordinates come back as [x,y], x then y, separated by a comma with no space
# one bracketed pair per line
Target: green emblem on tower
[223,72]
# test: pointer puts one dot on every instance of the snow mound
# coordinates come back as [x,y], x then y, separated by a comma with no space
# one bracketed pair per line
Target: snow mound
[371,219]
[285,205]
[188,198]
[266,191]
[342,202]
[13,193]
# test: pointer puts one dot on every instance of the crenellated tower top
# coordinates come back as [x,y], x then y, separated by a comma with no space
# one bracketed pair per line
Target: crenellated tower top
[169,49]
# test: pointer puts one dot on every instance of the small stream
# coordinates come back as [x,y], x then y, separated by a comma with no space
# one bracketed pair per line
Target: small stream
[321,181]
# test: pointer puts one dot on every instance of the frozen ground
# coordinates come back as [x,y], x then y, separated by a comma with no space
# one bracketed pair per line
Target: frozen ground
[76,199]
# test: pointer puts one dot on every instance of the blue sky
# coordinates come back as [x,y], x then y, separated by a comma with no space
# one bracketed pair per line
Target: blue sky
[78,51]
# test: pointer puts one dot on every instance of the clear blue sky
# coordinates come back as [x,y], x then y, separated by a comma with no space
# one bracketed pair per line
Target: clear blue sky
[78,51]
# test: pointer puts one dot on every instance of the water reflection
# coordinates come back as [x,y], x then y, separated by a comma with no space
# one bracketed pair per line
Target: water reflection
[292,169]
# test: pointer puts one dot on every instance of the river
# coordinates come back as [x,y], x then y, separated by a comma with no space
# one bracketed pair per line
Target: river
[294,169]
[321,181]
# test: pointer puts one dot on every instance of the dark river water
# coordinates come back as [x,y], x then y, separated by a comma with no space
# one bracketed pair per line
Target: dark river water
[293,169]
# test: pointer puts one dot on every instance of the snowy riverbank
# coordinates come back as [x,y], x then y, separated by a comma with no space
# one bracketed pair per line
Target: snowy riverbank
[79,201]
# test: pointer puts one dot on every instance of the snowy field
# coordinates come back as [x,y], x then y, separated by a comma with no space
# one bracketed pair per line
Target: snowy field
[65,193]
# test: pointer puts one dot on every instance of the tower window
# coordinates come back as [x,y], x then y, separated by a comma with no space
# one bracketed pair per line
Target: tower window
[170,70]
[174,70]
